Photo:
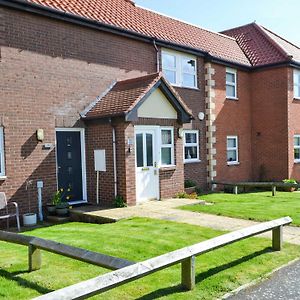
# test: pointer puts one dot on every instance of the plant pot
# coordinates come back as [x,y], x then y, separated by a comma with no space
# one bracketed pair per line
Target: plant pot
[51,209]
[290,189]
[62,209]
[29,219]
[190,190]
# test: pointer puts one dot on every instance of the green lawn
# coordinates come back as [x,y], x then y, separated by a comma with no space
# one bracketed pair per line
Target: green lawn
[137,239]
[261,206]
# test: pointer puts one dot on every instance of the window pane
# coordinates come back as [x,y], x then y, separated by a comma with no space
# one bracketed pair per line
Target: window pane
[297,153]
[166,137]
[297,140]
[231,143]
[230,78]
[139,150]
[190,152]
[188,65]
[231,155]
[190,137]
[168,61]
[230,91]
[170,76]
[297,91]
[188,80]
[166,156]
[149,147]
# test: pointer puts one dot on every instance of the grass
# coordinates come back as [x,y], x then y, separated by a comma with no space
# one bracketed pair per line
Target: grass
[260,206]
[137,239]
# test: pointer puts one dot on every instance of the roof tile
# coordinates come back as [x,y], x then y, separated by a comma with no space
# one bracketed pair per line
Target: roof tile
[124,14]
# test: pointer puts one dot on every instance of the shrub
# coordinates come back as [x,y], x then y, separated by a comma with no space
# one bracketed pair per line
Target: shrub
[189,183]
[119,202]
[289,181]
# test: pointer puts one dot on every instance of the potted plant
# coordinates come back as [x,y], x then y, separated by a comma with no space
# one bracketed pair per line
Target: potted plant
[189,186]
[51,207]
[290,188]
[61,199]
[30,218]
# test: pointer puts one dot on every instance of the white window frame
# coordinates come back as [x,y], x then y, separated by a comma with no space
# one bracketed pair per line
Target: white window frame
[185,144]
[236,148]
[296,147]
[2,158]
[179,57]
[234,84]
[296,83]
[167,146]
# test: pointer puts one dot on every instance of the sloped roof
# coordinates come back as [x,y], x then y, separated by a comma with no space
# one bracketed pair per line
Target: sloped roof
[262,46]
[125,95]
[125,15]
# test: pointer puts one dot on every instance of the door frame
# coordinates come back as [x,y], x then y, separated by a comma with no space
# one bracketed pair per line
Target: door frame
[83,161]
[156,156]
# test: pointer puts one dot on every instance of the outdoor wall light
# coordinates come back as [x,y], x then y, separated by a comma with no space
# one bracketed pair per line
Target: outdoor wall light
[130,145]
[40,134]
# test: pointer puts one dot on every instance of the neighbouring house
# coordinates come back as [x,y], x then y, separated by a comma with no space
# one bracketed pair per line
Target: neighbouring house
[166,100]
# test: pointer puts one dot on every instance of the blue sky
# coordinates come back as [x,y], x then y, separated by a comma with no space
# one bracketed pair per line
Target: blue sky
[280,16]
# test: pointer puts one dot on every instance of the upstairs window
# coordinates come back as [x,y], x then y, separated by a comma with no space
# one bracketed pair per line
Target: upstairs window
[297,84]
[2,167]
[167,146]
[191,145]
[297,148]
[179,69]
[231,83]
[232,150]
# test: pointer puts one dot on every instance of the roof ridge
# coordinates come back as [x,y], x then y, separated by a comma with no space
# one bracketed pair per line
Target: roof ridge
[156,74]
[273,42]
[279,36]
[185,22]
[237,27]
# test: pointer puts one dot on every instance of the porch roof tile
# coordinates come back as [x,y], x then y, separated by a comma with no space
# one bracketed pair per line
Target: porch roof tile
[125,95]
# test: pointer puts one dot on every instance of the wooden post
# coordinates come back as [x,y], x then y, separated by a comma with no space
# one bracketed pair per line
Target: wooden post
[273,190]
[34,258]
[277,238]
[188,273]
[235,189]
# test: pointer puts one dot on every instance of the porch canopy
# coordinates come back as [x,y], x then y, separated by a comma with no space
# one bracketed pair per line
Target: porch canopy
[126,98]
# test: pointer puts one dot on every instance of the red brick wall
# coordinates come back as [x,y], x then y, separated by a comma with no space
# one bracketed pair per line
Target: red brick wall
[50,71]
[197,172]
[233,117]
[270,124]
[294,127]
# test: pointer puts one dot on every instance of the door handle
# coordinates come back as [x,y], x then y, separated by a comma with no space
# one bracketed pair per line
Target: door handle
[155,164]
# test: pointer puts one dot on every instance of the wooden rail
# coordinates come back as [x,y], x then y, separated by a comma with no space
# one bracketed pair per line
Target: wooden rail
[272,185]
[185,256]
[35,244]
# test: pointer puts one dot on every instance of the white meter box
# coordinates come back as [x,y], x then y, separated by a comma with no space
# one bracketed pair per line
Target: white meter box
[100,160]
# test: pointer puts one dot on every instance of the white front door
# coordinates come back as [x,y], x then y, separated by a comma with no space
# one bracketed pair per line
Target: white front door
[146,156]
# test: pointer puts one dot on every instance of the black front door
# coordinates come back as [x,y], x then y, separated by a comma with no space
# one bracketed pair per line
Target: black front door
[69,164]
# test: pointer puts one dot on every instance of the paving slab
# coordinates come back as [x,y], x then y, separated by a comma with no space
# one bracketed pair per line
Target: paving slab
[167,210]
[284,284]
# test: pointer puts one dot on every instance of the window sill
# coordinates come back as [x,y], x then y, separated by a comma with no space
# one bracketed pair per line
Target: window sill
[297,161]
[297,98]
[235,163]
[167,168]
[192,161]
[232,98]
[185,87]
[3,178]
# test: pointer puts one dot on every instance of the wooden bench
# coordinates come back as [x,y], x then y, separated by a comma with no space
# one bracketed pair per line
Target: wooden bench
[272,185]
[185,256]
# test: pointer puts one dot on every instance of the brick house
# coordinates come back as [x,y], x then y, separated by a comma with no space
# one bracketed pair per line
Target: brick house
[166,100]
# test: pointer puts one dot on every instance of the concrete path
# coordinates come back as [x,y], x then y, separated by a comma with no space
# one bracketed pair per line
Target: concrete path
[166,210]
[282,285]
